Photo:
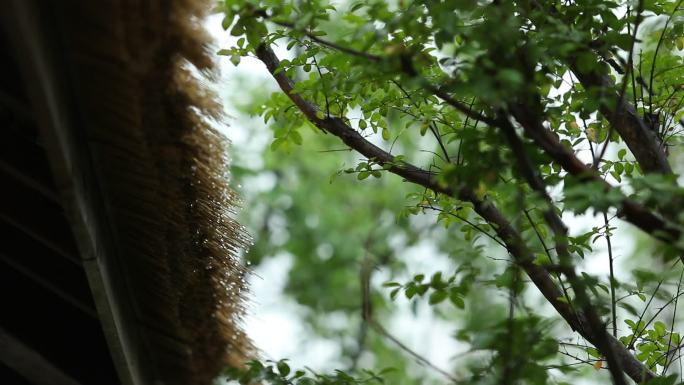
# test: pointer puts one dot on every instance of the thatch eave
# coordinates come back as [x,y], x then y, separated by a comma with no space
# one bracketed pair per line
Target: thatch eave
[136,172]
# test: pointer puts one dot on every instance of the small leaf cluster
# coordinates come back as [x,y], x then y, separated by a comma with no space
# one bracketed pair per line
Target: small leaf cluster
[520,344]
[656,346]
[365,169]
[437,288]
[280,373]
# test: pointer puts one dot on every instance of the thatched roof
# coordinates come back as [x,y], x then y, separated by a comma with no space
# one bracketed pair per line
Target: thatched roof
[141,175]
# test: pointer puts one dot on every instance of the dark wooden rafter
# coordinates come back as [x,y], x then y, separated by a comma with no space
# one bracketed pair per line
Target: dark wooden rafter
[29,363]
[31,207]
[23,160]
[34,277]
[111,107]
[43,219]
[49,324]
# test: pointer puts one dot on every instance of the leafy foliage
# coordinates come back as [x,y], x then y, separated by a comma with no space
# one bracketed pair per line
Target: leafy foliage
[505,120]
[280,373]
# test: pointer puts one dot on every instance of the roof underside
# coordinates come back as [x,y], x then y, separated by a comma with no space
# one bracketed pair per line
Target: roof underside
[49,328]
[121,265]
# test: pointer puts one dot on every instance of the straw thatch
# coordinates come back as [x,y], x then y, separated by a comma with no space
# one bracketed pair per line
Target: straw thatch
[163,171]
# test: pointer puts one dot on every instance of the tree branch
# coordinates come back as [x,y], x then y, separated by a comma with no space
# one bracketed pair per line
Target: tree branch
[329,44]
[642,142]
[596,327]
[631,211]
[486,209]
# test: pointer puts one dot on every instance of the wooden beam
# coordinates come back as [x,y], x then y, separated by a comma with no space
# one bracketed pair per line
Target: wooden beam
[40,281]
[37,44]
[30,364]
[15,105]
[27,179]
[30,211]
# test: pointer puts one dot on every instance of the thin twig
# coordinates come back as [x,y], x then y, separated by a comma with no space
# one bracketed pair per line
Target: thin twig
[655,55]
[674,317]
[612,275]
[367,315]
[433,126]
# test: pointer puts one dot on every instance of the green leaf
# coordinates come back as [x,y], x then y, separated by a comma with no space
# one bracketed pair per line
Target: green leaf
[255,31]
[594,353]
[283,368]
[510,77]
[411,291]
[277,143]
[424,127]
[542,259]
[238,28]
[643,356]
[623,41]
[670,379]
[457,300]
[437,297]
[436,280]
[356,6]
[227,21]
[385,134]
[586,62]
[660,328]
[296,137]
